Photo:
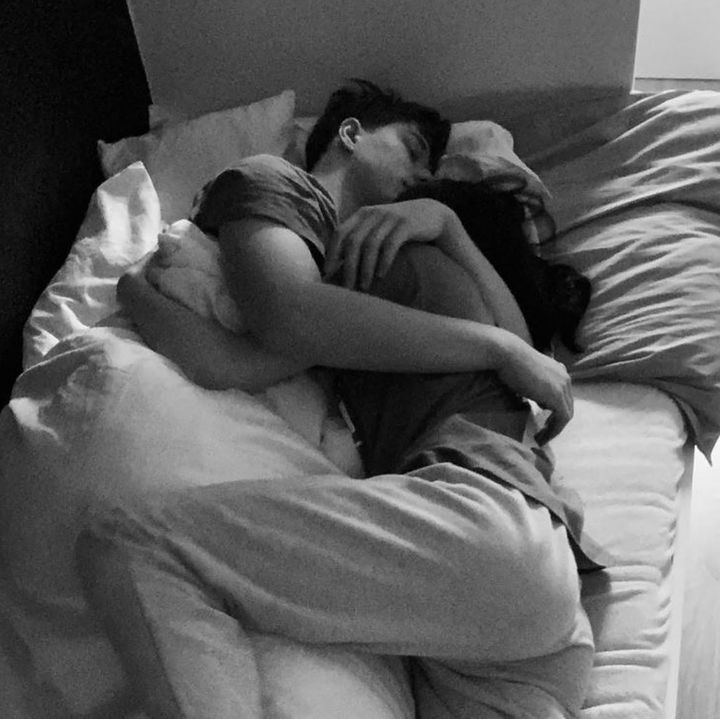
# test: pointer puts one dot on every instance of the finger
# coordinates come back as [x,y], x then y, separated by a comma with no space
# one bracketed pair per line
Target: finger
[570,402]
[165,252]
[383,234]
[152,275]
[355,244]
[556,422]
[334,248]
[544,435]
[388,253]
[549,430]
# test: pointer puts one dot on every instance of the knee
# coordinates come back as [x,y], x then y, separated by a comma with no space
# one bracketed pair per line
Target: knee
[109,521]
[550,596]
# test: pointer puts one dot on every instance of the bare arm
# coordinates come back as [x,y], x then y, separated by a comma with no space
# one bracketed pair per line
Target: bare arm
[205,351]
[291,312]
[296,321]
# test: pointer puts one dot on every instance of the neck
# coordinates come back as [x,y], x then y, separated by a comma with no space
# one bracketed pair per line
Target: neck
[333,177]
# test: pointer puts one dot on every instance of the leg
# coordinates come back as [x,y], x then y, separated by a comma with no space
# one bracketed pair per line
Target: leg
[458,568]
[548,687]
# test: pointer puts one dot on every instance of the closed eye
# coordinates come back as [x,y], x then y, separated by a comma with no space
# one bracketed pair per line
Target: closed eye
[417,148]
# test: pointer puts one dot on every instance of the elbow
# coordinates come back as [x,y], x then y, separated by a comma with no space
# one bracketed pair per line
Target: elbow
[295,321]
[282,328]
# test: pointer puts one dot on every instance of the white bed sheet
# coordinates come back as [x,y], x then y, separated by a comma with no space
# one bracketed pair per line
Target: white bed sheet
[699,681]
[626,453]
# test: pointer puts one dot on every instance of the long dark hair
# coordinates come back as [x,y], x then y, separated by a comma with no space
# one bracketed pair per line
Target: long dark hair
[552,297]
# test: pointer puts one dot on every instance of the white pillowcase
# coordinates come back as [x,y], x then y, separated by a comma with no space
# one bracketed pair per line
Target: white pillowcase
[482,149]
[164,115]
[121,226]
[181,156]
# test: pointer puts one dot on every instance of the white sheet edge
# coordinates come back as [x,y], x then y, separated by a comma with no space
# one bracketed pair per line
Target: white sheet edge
[677,579]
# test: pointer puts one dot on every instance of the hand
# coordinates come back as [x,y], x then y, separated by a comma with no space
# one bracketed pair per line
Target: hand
[542,379]
[133,279]
[365,245]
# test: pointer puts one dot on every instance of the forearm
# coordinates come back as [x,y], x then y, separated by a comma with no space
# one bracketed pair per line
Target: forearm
[205,351]
[336,327]
[287,307]
[456,243]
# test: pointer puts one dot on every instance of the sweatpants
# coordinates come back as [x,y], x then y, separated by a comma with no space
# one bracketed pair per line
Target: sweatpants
[472,580]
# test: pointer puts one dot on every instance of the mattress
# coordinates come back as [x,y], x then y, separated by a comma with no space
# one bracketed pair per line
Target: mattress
[626,452]
[699,681]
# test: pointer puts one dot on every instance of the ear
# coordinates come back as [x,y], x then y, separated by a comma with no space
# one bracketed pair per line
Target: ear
[348,133]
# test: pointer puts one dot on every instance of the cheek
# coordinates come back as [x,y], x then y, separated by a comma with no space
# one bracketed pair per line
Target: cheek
[370,185]
[395,169]
[382,175]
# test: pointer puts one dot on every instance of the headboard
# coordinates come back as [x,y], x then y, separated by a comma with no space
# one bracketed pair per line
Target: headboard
[540,67]
[471,58]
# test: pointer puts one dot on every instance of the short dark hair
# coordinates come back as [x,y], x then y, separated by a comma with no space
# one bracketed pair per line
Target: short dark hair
[375,107]
[552,297]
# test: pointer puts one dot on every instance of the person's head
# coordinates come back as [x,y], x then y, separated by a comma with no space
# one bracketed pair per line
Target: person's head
[385,142]
[552,297]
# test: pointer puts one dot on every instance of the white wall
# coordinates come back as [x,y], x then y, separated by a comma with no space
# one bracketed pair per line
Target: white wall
[679,39]
[201,55]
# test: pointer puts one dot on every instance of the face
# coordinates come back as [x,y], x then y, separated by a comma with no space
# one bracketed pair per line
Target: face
[387,160]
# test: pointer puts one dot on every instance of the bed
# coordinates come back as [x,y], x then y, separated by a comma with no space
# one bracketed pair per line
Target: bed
[633,185]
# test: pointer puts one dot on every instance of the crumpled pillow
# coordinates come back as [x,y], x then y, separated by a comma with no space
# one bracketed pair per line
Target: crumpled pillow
[481,149]
[121,226]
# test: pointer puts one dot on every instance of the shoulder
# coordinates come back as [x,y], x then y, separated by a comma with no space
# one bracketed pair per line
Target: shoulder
[261,176]
[264,170]
[258,170]
[269,188]
[265,165]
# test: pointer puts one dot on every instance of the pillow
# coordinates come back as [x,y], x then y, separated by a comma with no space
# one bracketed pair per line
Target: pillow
[636,199]
[476,150]
[164,115]
[480,149]
[181,156]
[295,152]
[121,226]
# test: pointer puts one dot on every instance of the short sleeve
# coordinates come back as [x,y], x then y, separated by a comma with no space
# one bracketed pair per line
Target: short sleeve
[269,188]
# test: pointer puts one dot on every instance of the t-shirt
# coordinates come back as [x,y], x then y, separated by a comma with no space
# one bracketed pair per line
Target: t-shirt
[270,188]
[405,421]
